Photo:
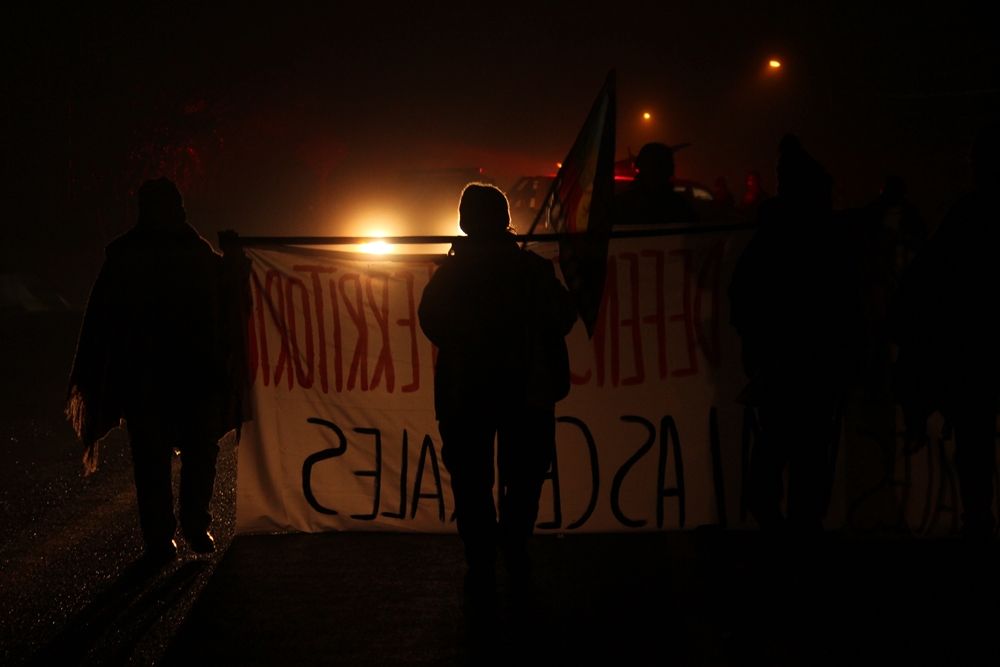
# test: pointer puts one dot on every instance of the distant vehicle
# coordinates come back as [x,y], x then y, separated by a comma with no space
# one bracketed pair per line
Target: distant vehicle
[528,193]
[409,202]
[39,330]
[428,198]
[24,291]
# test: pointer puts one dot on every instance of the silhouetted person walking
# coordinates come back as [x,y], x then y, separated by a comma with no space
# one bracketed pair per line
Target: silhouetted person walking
[499,317]
[754,196]
[793,305]
[153,350]
[723,202]
[946,319]
[887,231]
[651,198]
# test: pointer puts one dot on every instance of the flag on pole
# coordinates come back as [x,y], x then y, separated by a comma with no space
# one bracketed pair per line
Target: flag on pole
[580,203]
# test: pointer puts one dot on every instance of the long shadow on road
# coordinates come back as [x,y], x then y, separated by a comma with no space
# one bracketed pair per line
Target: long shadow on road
[718,597]
[121,616]
[378,599]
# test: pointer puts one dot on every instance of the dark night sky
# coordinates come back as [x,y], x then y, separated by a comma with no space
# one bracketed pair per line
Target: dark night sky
[246,104]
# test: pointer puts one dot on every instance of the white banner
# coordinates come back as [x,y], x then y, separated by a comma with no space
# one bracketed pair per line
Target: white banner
[343,435]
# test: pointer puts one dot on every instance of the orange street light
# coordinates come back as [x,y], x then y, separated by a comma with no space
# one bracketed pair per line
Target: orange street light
[646,115]
[774,64]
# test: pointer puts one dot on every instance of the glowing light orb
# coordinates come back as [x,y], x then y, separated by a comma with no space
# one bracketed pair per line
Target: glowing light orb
[646,115]
[774,64]
[558,165]
[375,247]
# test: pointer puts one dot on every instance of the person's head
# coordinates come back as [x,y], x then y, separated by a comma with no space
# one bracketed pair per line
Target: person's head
[483,210]
[160,203]
[986,156]
[655,163]
[801,179]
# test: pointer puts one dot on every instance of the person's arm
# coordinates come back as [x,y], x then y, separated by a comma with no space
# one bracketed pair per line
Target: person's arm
[438,312]
[554,303]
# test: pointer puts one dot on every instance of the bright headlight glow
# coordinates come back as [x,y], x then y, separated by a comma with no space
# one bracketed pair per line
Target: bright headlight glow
[375,247]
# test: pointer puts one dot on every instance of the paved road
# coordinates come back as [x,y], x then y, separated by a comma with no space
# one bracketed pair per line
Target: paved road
[70,593]
[66,587]
[69,539]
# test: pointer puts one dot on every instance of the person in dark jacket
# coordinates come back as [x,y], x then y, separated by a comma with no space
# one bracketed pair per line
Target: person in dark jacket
[499,316]
[945,316]
[153,349]
[651,199]
[794,304]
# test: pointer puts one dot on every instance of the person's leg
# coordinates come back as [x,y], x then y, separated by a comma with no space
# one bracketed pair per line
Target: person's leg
[152,451]
[467,453]
[199,451]
[810,436]
[525,444]
[974,420]
[765,486]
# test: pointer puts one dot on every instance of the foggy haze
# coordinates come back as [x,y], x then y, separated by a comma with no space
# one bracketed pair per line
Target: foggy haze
[278,120]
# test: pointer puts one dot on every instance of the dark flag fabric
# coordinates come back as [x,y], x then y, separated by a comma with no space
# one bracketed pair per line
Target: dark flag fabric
[579,206]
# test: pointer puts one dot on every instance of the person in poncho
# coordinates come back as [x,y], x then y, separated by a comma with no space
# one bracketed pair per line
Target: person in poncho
[153,350]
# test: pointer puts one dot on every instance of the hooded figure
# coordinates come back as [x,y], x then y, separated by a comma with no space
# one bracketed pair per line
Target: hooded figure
[794,304]
[499,316]
[153,350]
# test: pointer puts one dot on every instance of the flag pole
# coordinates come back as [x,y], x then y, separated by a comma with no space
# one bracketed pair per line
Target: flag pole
[558,181]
